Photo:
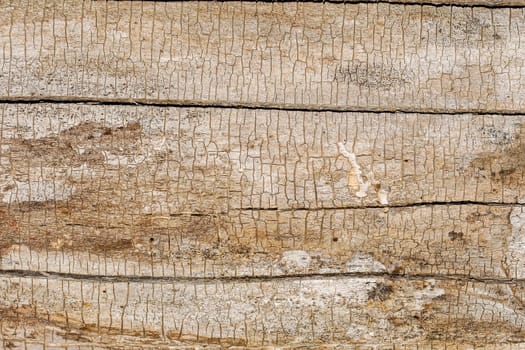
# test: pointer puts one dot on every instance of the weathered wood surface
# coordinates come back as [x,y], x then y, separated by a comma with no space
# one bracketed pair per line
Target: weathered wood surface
[112,190]
[320,55]
[464,241]
[304,313]
[469,3]
[293,175]
[213,160]
[466,3]
[155,197]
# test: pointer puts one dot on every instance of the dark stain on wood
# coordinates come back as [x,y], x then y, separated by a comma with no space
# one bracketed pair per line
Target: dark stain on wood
[371,76]
[64,149]
[506,165]
[380,292]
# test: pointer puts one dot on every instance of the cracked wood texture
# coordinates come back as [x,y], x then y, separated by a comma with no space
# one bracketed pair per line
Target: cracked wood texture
[372,56]
[232,175]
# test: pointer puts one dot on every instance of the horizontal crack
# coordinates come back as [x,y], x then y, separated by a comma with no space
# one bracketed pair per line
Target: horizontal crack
[381,206]
[245,105]
[439,3]
[347,207]
[254,278]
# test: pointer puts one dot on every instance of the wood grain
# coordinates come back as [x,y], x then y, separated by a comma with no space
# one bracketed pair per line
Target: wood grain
[465,241]
[364,56]
[191,160]
[467,3]
[355,312]
[192,192]
[262,175]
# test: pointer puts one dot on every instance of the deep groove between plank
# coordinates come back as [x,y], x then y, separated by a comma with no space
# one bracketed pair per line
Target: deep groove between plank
[246,105]
[371,2]
[12,273]
[346,207]
[380,206]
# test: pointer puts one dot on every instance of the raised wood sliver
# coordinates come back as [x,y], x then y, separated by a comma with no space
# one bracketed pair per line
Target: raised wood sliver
[339,175]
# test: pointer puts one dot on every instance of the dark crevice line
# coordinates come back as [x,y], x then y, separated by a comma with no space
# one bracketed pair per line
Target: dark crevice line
[195,214]
[313,209]
[255,278]
[472,4]
[380,206]
[245,105]
[346,207]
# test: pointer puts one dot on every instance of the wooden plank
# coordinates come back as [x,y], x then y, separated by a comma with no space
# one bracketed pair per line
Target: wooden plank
[262,175]
[119,190]
[357,56]
[155,160]
[468,240]
[357,312]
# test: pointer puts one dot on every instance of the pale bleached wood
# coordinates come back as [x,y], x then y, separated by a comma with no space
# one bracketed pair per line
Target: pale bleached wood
[364,56]
[366,312]
[156,160]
